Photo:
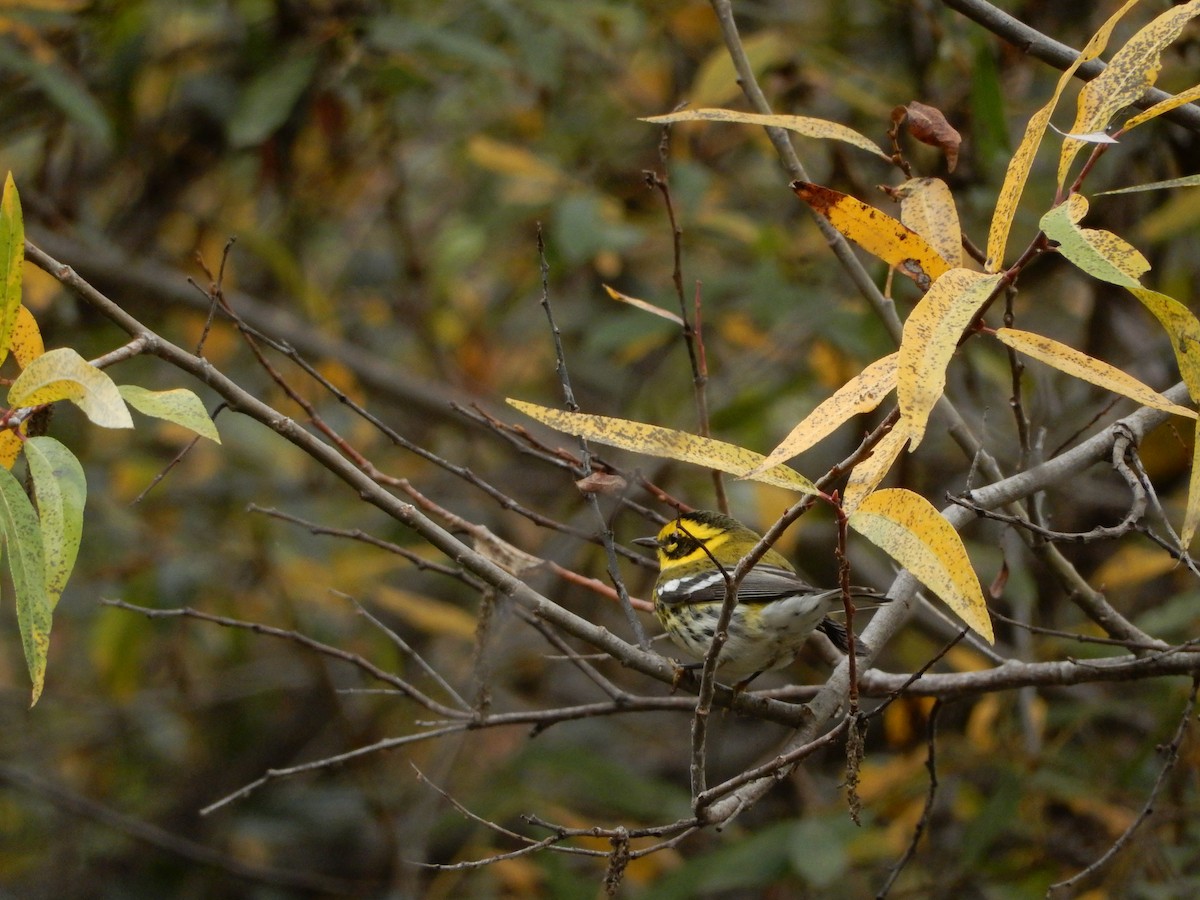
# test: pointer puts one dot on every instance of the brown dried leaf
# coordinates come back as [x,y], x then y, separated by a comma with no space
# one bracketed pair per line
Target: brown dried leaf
[929,126]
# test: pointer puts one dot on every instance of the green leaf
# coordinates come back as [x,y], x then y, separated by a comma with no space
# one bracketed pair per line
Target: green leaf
[65,375]
[179,406]
[61,490]
[12,257]
[1185,181]
[269,99]
[63,89]
[23,536]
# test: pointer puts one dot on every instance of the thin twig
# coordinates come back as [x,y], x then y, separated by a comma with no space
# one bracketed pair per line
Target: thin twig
[614,570]
[1172,757]
[927,812]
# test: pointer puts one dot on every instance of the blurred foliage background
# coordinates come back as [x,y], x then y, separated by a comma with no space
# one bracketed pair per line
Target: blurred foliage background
[384,167]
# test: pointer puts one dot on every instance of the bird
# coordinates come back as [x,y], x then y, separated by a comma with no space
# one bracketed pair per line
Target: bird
[776,609]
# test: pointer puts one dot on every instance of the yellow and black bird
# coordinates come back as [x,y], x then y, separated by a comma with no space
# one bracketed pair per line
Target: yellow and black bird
[776,609]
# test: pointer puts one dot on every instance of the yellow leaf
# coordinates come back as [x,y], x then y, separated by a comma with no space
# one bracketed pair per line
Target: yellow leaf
[867,474]
[876,232]
[930,337]
[1089,369]
[1163,106]
[63,374]
[644,306]
[1184,331]
[1132,70]
[907,527]
[859,395]
[425,614]
[12,258]
[1022,159]
[803,125]
[1110,258]
[510,159]
[10,447]
[179,406]
[1191,515]
[1132,565]
[26,343]
[716,81]
[927,207]
[666,442]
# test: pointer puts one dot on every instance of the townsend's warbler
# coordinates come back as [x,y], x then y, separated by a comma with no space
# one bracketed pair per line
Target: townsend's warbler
[776,610]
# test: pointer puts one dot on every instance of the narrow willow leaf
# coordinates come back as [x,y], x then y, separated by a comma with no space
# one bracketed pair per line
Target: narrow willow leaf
[876,232]
[1132,70]
[930,337]
[802,125]
[1185,181]
[644,306]
[1191,516]
[927,207]
[23,538]
[859,395]
[1087,368]
[63,374]
[1163,106]
[1110,258]
[1101,254]
[666,442]
[60,488]
[26,344]
[1022,160]
[867,474]
[1182,328]
[909,530]
[12,258]
[179,406]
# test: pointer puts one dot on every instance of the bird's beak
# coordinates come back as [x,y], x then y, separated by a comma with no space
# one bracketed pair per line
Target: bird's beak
[647,542]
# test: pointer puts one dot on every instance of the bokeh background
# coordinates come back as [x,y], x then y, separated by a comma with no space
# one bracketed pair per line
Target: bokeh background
[384,168]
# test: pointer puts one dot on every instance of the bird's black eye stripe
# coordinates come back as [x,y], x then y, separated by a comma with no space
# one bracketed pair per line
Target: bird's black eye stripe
[680,544]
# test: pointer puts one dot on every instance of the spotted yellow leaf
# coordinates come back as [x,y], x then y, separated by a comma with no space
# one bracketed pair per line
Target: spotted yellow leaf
[927,207]
[1132,70]
[802,125]
[867,474]
[1022,159]
[931,334]
[654,440]
[1191,515]
[1163,106]
[859,395]
[876,232]
[909,530]
[26,344]
[1087,368]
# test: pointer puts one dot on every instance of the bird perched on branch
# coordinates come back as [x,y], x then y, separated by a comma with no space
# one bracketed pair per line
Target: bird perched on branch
[776,609]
